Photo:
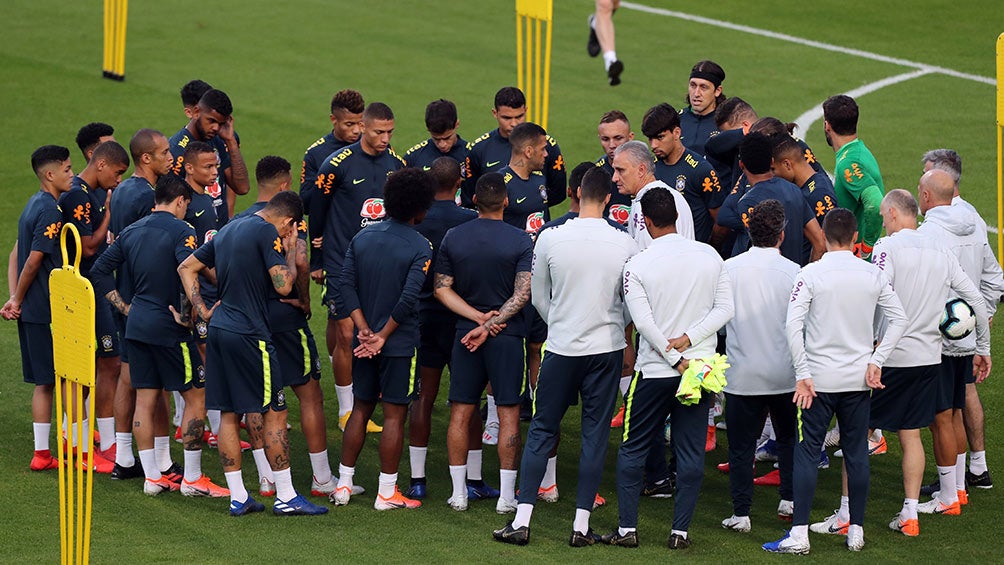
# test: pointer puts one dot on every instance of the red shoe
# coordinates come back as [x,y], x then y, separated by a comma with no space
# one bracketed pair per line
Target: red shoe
[963,497]
[109,453]
[213,441]
[771,479]
[724,467]
[43,460]
[395,501]
[177,434]
[599,501]
[101,465]
[618,419]
[712,440]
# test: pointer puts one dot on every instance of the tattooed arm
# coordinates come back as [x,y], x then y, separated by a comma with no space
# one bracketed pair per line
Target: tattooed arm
[443,289]
[189,271]
[115,299]
[520,296]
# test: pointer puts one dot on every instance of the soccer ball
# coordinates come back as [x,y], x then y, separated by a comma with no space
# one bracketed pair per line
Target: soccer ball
[958,320]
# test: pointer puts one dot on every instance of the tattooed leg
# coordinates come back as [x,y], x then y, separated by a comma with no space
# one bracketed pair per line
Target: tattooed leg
[230,446]
[276,440]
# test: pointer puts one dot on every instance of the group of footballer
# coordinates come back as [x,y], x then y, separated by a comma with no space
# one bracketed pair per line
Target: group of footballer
[721,235]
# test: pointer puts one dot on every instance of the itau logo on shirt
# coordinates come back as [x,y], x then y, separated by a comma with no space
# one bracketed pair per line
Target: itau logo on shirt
[534,222]
[620,214]
[372,211]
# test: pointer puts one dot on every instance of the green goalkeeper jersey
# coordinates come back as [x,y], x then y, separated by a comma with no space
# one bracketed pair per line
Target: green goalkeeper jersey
[858,185]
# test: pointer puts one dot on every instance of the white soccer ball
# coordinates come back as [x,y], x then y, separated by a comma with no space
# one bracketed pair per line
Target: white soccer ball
[958,320]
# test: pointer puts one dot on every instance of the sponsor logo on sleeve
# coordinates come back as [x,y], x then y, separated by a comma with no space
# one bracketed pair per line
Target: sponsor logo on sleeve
[372,211]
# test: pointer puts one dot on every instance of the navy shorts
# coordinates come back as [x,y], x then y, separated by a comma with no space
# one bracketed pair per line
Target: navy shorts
[952,382]
[331,298]
[176,367]
[438,328]
[535,327]
[36,353]
[242,374]
[500,361]
[105,329]
[387,379]
[297,354]
[909,399]
[120,322]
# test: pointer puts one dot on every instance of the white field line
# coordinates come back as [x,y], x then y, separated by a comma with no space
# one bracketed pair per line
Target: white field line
[806,42]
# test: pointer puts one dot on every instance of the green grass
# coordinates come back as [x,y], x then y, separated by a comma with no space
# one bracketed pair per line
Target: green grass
[281,64]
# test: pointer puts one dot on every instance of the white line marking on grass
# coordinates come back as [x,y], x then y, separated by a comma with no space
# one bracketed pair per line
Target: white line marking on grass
[806,42]
[815,113]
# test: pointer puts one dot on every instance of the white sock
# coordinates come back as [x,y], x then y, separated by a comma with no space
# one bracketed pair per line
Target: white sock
[264,469]
[214,421]
[550,473]
[458,475]
[344,396]
[284,490]
[193,465]
[106,429]
[320,466]
[149,460]
[162,447]
[680,533]
[977,461]
[345,475]
[625,531]
[41,433]
[625,385]
[608,58]
[909,511]
[523,513]
[474,465]
[960,471]
[856,530]
[711,416]
[388,483]
[800,533]
[417,456]
[235,482]
[844,514]
[765,433]
[493,411]
[74,435]
[946,481]
[581,523]
[123,451]
[179,408]
[507,478]
[876,436]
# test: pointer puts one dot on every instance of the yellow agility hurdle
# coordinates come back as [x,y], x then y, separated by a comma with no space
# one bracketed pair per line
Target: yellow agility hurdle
[115,39]
[73,346]
[534,21]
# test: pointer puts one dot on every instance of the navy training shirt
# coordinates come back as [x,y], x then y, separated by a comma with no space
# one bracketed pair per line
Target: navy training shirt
[282,317]
[242,254]
[385,267]
[527,209]
[423,154]
[491,152]
[84,207]
[313,158]
[694,177]
[151,250]
[483,257]
[179,142]
[38,229]
[442,216]
[796,213]
[696,130]
[349,198]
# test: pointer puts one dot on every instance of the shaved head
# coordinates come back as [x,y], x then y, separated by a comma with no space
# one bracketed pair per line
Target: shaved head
[940,185]
[902,200]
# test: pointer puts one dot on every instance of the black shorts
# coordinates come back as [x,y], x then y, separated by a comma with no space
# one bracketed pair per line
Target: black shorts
[176,367]
[36,353]
[297,354]
[909,399]
[438,329]
[331,298]
[120,322]
[952,382]
[105,329]
[242,374]
[535,327]
[500,361]
[387,379]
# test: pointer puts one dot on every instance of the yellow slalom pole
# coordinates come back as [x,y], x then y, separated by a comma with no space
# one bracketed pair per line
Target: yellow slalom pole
[547,76]
[1000,155]
[537,73]
[106,66]
[120,62]
[519,51]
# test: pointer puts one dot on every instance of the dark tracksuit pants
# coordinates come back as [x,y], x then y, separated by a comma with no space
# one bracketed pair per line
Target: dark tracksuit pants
[853,411]
[562,380]
[745,417]
[649,402]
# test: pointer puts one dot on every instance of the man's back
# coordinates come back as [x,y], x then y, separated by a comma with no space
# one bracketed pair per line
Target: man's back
[442,216]
[38,230]
[577,286]
[483,257]
[756,345]
[133,199]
